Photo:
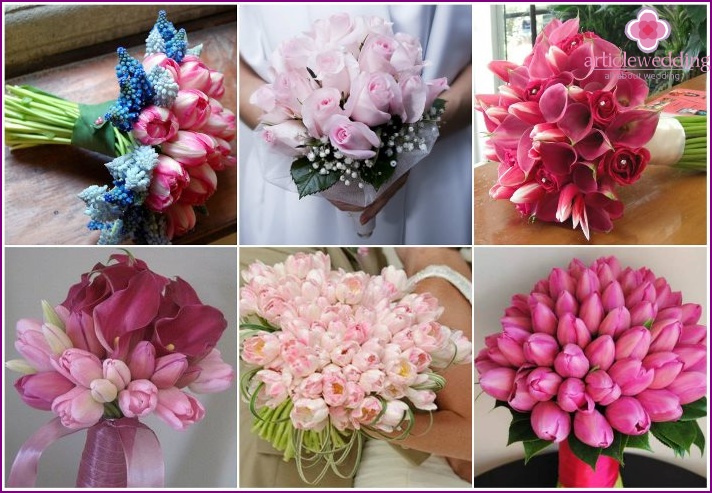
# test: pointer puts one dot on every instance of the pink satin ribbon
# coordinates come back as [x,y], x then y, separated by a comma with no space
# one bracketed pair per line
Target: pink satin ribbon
[143,460]
[575,473]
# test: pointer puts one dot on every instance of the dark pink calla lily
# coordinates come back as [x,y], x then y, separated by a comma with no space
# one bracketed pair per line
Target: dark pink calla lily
[584,176]
[631,91]
[594,145]
[557,157]
[576,122]
[553,102]
[633,128]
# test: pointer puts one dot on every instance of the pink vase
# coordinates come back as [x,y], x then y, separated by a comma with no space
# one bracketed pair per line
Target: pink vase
[575,473]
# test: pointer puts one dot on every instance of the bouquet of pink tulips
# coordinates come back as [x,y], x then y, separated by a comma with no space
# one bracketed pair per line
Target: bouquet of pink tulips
[168,129]
[348,109]
[126,343]
[567,130]
[599,357]
[334,356]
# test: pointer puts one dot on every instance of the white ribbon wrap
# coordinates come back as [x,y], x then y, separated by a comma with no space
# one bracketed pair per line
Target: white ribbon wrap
[668,143]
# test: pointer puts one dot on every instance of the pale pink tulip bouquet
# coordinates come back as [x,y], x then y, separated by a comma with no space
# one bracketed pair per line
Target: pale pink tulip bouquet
[334,357]
[348,112]
[567,130]
[597,358]
[126,343]
[168,129]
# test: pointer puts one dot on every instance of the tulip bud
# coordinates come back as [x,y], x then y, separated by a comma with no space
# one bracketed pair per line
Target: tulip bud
[188,148]
[117,372]
[593,429]
[559,282]
[483,363]
[601,387]
[191,109]
[142,362]
[154,126]
[660,404]
[691,313]
[540,349]
[642,314]
[613,296]
[633,343]
[167,184]
[588,283]
[50,315]
[591,312]
[689,386]
[543,383]
[203,183]
[139,399]
[642,292]
[169,369]
[693,334]
[181,219]
[543,319]
[566,304]
[601,352]
[57,340]
[628,416]
[216,88]
[616,322]
[572,396]
[571,362]
[498,383]
[666,366]
[102,390]
[41,389]
[690,354]
[550,422]
[77,408]
[520,399]
[631,376]
[572,330]
[665,334]
[194,74]
[671,312]
[79,366]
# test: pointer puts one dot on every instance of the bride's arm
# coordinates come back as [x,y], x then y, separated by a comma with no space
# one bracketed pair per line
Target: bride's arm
[451,432]
[458,106]
[249,83]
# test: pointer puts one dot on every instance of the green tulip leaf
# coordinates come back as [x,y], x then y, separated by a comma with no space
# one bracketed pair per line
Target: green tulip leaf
[639,441]
[615,450]
[694,410]
[584,452]
[533,447]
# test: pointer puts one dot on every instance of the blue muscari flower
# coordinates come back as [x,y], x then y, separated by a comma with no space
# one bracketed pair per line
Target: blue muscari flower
[175,43]
[146,226]
[165,88]
[175,47]
[195,50]
[155,43]
[164,26]
[135,92]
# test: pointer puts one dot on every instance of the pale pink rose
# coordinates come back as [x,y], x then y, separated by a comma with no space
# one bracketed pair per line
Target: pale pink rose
[367,412]
[292,88]
[138,399]
[169,369]
[408,56]
[333,68]
[178,409]
[293,53]
[393,417]
[79,366]
[215,375]
[318,108]
[373,98]
[167,184]
[155,125]
[434,88]
[180,218]
[261,349]
[414,93]
[194,74]
[188,148]
[353,139]
[264,98]
[32,345]
[117,372]
[334,390]
[103,390]
[285,137]
[422,399]
[202,185]
[191,108]
[309,414]
[376,54]
[77,409]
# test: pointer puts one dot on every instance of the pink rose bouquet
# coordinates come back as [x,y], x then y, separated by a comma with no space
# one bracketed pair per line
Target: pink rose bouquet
[168,129]
[567,130]
[597,358]
[333,356]
[348,109]
[124,344]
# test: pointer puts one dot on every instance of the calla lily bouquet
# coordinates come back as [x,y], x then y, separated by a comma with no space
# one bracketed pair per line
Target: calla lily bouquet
[168,129]
[333,357]
[126,343]
[567,130]
[598,358]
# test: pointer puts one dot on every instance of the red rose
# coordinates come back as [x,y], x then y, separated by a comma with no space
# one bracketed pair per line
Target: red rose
[625,165]
[604,106]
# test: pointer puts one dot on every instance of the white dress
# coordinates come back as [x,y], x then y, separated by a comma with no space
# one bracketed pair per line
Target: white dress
[434,206]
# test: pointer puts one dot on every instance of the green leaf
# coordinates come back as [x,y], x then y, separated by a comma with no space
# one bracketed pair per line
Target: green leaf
[699,438]
[533,447]
[379,173]
[584,452]
[694,410]
[308,180]
[616,448]
[678,435]
[521,431]
[87,135]
[639,441]
[439,104]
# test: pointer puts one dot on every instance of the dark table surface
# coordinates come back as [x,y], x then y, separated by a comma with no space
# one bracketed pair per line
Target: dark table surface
[542,472]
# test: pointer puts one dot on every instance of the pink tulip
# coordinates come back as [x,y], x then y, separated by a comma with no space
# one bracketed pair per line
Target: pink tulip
[615,323]
[203,183]
[261,349]
[161,60]
[560,281]
[631,376]
[221,123]
[628,416]
[665,365]
[178,409]
[77,409]
[498,383]
[168,182]
[354,139]
[691,313]
[194,74]
[543,319]
[633,343]
[690,354]
[520,399]
[587,284]
[591,312]
[155,125]
[601,387]
[142,361]
[40,389]
[665,334]
[102,390]
[169,369]
[138,399]
[188,148]
[593,429]
[550,422]
[510,344]
[689,386]
[572,396]
[79,366]
[181,219]
[367,412]
[57,339]
[540,349]
[571,362]
[566,303]
[660,404]
[216,89]
[601,352]
[543,383]
[191,109]
[215,375]
[32,345]
[572,330]
[117,372]
[693,334]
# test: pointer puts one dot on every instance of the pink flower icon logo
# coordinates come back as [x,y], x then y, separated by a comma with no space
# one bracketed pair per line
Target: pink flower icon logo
[648,30]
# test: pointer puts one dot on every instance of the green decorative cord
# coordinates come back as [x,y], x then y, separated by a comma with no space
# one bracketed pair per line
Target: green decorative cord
[694,156]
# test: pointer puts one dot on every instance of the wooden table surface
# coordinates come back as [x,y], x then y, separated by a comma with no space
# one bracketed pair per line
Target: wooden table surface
[666,206]
[42,183]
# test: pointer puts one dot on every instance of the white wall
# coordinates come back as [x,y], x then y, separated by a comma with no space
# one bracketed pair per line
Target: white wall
[205,455]
[499,273]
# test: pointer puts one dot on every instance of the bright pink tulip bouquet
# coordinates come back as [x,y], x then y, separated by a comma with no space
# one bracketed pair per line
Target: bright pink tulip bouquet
[348,112]
[596,358]
[334,357]
[168,129]
[126,343]
[567,130]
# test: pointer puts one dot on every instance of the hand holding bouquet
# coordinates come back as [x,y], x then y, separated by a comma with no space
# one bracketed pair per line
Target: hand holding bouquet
[348,109]
[126,343]
[336,356]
